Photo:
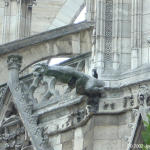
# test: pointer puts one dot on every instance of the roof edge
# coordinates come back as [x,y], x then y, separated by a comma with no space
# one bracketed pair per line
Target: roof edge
[43,37]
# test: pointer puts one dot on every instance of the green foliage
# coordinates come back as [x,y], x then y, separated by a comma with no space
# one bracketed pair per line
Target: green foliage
[146,134]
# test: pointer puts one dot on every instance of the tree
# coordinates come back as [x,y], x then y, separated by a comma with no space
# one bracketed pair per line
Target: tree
[146,134]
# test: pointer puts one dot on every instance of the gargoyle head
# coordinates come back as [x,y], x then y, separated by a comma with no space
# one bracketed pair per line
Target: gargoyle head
[40,69]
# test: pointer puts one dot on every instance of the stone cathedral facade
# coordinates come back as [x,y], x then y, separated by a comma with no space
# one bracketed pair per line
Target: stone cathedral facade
[97,99]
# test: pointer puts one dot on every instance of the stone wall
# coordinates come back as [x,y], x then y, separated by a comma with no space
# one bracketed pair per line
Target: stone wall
[44,13]
[103,131]
[65,44]
[122,30]
[145,33]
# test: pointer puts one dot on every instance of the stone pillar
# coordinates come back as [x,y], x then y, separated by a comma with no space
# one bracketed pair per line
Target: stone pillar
[108,55]
[23,106]
[136,33]
[14,65]
[116,33]
[90,10]
[103,55]
[17,19]
[99,38]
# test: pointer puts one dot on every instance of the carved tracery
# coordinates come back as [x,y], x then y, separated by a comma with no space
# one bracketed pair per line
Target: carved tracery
[12,132]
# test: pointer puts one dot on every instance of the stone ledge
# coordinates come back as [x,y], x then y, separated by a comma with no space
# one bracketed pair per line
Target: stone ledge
[44,36]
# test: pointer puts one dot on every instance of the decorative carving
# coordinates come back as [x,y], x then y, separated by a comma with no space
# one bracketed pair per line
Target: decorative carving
[105,106]
[109,105]
[78,116]
[135,112]
[51,91]
[93,103]
[2,94]
[13,135]
[128,100]
[24,108]
[11,130]
[108,33]
[2,91]
[69,122]
[112,105]
[143,96]
[14,61]
[85,85]
[82,114]
[49,84]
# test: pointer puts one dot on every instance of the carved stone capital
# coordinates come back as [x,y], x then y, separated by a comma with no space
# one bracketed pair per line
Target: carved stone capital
[14,62]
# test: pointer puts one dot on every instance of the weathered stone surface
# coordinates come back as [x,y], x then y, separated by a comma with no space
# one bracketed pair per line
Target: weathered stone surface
[124,130]
[43,37]
[44,46]
[125,118]
[44,13]
[78,139]
[106,120]
[106,133]
[107,144]
[120,53]
[67,136]
[67,145]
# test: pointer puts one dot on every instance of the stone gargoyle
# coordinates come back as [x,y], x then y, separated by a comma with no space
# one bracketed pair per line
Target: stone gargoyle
[84,84]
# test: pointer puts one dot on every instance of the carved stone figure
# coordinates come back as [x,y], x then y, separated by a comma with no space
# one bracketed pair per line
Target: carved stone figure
[85,84]
[141,99]
[143,95]
[128,100]
[106,106]
[112,105]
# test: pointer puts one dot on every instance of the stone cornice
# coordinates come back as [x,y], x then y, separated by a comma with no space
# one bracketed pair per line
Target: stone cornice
[43,37]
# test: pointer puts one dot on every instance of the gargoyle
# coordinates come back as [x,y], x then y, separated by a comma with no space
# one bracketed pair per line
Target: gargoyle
[84,84]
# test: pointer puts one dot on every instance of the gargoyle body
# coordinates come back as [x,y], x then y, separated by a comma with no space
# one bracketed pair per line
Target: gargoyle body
[84,84]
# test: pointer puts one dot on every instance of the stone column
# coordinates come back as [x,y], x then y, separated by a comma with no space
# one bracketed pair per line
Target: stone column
[116,33]
[23,106]
[108,55]
[136,33]
[90,10]
[14,65]
[99,38]
[17,19]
